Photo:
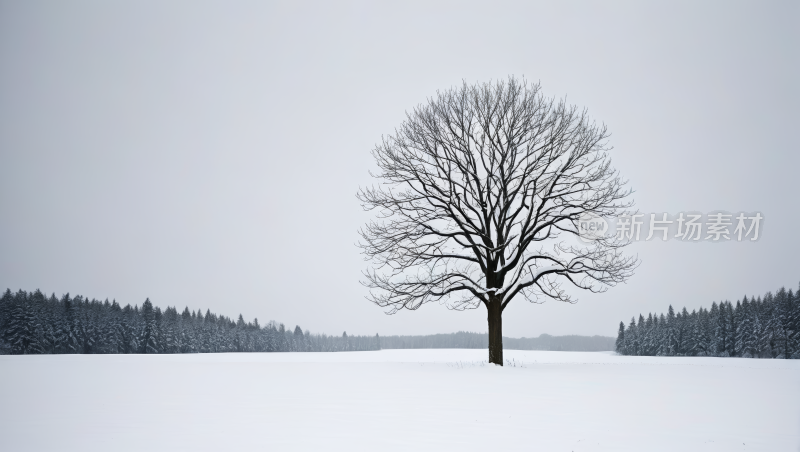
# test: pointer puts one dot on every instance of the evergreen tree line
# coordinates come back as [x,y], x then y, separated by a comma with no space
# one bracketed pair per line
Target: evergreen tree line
[767,327]
[464,339]
[32,323]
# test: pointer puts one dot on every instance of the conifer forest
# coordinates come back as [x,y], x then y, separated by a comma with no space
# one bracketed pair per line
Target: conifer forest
[32,323]
[755,327]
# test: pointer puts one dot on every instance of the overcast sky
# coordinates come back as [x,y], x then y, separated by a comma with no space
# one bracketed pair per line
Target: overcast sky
[208,153]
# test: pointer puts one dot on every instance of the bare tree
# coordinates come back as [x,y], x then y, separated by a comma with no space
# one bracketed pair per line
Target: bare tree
[482,191]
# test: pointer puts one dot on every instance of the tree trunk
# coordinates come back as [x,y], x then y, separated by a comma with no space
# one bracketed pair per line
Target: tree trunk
[495,317]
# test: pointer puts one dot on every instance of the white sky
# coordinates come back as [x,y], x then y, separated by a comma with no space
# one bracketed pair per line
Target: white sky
[208,153]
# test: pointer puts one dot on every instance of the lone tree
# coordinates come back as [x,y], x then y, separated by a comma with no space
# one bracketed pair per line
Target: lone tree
[482,191]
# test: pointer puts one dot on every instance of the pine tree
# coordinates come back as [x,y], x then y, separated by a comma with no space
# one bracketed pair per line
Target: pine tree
[159,330]
[129,340]
[299,338]
[717,335]
[682,321]
[148,336]
[48,319]
[620,344]
[759,335]
[23,329]
[114,328]
[631,342]
[749,328]
[640,336]
[661,336]
[5,309]
[648,345]
[742,326]
[737,328]
[731,327]
[704,334]
[170,329]
[67,339]
[794,322]
[691,332]
[782,323]
[671,330]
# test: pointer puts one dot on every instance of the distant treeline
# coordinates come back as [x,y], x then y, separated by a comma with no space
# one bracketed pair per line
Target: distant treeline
[31,323]
[481,340]
[767,327]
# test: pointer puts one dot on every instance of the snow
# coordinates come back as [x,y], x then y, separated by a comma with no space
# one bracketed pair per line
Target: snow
[398,400]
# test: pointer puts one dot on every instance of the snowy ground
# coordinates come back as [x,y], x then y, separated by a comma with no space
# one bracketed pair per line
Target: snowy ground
[397,400]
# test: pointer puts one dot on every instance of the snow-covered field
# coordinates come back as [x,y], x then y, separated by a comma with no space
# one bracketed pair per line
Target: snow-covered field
[397,400]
